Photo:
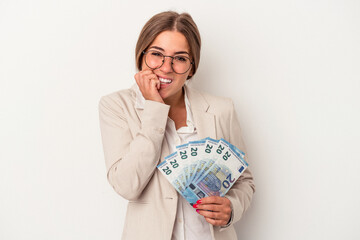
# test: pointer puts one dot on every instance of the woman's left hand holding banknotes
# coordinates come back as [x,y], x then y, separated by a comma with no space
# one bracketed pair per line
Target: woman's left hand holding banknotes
[215,209]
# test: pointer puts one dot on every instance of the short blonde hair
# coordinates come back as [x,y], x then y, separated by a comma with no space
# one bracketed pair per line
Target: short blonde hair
[169,21]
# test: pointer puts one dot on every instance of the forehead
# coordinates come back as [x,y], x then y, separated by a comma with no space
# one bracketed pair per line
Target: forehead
[171,42]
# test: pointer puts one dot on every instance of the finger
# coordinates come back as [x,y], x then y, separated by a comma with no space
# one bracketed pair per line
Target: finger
[144,80]
[148,78]
[146,71]
[223,213]
[147,74]
[222,219]
[209,214]
[155,83]
[137,82]
[211,200]
[138,78]
[215,208]
[216,222]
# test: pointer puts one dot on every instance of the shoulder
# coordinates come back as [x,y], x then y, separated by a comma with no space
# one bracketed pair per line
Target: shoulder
[118,100]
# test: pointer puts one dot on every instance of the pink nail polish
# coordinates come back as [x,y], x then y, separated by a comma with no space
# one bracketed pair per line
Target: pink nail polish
[197,210]
[195,206]
[198,201]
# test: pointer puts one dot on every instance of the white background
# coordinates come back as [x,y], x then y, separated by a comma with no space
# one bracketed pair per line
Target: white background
[291,67]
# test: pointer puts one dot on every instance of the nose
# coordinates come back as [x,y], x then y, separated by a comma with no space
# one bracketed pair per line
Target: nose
[166,67]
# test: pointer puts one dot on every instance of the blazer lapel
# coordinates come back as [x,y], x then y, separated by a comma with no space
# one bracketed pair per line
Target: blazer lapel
[204,121]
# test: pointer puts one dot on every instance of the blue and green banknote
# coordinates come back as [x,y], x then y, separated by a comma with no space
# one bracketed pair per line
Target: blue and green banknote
[203,168]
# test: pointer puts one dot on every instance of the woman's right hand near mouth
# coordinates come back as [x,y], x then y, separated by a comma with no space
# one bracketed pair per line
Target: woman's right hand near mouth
[149,85]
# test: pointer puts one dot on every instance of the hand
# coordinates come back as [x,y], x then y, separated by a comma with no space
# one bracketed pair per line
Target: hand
[149,85]
[215,209]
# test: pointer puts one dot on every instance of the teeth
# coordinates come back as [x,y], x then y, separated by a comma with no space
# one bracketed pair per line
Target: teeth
[163,80]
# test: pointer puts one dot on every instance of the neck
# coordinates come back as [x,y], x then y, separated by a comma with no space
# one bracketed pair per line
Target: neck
[177,110]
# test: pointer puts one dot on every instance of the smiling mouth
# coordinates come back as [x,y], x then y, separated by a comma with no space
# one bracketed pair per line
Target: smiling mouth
[164,80]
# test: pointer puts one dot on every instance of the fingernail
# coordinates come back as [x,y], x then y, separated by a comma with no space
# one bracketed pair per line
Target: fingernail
[197,210]
[195,206]
[198,202]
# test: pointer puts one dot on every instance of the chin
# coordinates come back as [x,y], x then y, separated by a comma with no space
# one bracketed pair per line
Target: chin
[164,96]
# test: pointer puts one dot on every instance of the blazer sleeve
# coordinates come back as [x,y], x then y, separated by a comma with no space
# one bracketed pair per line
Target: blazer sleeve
[241,193]
[131,160]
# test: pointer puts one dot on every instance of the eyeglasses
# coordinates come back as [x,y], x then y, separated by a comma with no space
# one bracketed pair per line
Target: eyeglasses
[180,64]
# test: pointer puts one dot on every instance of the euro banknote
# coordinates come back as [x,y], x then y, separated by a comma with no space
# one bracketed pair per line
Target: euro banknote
[203,168]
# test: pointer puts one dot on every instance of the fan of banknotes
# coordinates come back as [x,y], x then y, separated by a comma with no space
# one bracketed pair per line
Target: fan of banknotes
[203,168]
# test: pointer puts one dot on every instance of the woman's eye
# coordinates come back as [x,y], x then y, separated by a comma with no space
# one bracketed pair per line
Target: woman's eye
[180,58]
[157,54]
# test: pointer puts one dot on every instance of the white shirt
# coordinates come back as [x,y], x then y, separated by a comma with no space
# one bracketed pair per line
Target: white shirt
[189,225]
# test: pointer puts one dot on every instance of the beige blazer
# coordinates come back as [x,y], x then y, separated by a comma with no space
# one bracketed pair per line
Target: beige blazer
[134,144]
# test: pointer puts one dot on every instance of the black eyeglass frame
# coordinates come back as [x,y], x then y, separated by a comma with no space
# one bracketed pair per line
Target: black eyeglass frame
[163,61]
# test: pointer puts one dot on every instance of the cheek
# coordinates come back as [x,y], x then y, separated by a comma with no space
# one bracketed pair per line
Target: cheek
[181,81]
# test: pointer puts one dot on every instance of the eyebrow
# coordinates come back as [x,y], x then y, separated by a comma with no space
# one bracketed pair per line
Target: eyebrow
[161,49]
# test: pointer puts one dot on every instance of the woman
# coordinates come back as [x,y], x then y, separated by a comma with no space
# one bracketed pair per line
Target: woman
[142,125]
